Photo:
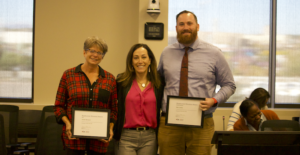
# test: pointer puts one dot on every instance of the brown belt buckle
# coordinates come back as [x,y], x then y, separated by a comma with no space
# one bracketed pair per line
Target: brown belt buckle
[138,128]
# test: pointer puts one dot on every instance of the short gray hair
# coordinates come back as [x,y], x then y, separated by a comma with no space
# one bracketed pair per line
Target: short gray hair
[94,40]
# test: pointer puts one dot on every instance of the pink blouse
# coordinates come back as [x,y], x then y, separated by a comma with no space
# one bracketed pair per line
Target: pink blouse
[140,107]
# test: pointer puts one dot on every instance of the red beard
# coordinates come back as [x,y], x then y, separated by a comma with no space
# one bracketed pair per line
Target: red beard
[187,39]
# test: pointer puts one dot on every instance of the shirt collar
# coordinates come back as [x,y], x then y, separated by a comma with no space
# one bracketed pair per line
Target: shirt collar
[194,45]
[262,119]
[101,71]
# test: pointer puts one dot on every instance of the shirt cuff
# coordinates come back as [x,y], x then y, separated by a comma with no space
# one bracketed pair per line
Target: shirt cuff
[59,119]
[112,120]
[215,100]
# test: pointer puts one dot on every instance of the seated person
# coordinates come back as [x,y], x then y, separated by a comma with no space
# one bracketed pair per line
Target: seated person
[259,95]
[252,118]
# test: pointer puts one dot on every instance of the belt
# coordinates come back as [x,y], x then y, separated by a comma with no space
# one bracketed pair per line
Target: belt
[139,128]
[205,115]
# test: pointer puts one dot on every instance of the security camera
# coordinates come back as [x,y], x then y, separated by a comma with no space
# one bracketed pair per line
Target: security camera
[153,6]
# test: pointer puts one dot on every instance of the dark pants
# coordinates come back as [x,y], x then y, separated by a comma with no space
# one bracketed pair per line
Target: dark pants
[82,152]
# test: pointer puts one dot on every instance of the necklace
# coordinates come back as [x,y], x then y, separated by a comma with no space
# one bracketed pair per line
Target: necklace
[143,84]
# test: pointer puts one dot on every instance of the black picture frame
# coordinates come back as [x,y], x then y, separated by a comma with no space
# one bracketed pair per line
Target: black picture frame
[106,112]
[154,31]
[167,122]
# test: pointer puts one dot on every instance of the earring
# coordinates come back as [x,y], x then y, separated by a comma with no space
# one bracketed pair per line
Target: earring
[149,69]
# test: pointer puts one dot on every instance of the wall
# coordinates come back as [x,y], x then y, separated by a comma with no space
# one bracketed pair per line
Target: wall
[156,45]
[62,27]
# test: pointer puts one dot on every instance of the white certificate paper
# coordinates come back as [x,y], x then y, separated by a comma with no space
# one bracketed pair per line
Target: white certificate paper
[90,123]
[184,111]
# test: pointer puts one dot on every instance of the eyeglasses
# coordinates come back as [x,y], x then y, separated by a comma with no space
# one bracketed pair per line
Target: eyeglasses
[93,52]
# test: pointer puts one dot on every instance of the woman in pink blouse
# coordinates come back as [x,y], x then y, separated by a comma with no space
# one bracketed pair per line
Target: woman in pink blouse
[139,101]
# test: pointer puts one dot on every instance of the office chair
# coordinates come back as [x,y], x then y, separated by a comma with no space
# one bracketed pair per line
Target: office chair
[2,136]
[47,111]
[28,127]
[49,131]
[49,140]
[295,119]
[280,125]
[10,118]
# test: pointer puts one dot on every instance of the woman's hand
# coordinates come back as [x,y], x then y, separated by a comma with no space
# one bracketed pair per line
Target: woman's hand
[111,134]
[68,127]
[68,131]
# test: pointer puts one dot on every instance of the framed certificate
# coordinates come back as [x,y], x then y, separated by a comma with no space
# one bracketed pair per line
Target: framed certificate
[184,111]
[90,123]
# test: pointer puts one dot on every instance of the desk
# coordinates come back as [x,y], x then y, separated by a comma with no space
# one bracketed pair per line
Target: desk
[258,143]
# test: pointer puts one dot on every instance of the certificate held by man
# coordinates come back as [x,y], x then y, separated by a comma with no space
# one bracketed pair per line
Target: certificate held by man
[184,111]
[90,123]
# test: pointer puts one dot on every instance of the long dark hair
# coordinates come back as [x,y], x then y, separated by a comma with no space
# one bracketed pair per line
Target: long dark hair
[260,96]
[129,74]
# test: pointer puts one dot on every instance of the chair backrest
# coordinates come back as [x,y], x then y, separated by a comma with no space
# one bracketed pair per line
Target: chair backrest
[280,125]
[295,119]
[46,112]
[50,141]
[2,136]
[28,123]
[10,117]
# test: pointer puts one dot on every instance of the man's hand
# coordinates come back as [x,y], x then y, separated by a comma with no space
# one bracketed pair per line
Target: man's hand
[205,105]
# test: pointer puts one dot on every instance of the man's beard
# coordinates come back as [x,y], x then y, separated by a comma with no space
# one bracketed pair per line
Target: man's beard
[186,39]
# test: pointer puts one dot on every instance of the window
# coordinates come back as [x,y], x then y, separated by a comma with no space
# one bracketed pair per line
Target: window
[287,86]
[241,29]
[16,50]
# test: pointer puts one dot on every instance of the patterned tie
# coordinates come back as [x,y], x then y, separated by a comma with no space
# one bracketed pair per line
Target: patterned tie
[183,86]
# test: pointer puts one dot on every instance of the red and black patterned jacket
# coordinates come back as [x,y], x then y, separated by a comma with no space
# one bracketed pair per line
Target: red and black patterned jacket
[75,90]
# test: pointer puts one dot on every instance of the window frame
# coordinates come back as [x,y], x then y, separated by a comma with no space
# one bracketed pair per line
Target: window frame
[25,100]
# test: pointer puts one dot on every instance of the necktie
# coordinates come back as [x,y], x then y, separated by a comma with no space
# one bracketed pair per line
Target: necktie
[183,86]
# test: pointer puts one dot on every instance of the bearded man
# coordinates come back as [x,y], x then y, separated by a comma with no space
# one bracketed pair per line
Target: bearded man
[192,68]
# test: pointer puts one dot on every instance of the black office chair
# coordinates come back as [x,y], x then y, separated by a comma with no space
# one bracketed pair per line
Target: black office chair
[28,127]
[49,140]
[295,119]
[47,111]
[10,118]
[49,131]
[2,136]
[280,125]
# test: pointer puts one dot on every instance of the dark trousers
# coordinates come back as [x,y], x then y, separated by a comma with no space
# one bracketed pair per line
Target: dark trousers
[82,152]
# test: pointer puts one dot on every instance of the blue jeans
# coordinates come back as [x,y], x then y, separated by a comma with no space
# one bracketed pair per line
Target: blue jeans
[134,142]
